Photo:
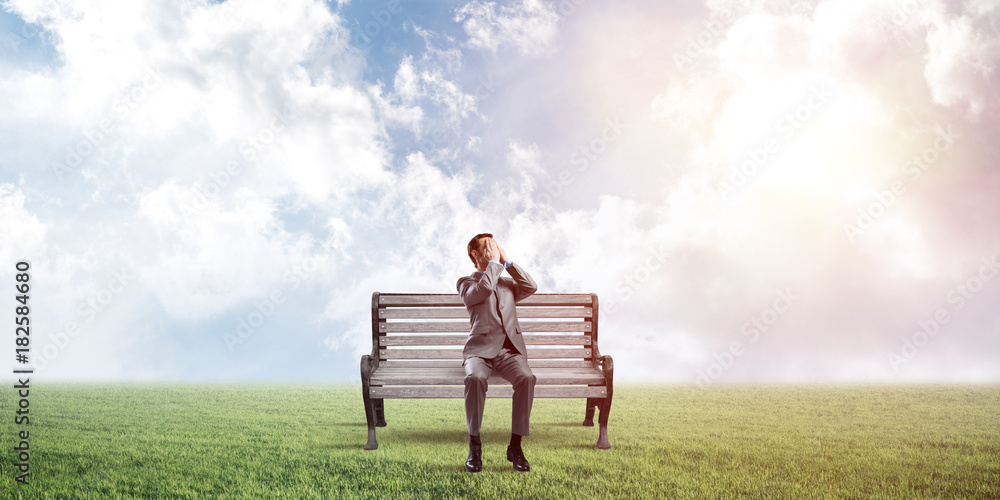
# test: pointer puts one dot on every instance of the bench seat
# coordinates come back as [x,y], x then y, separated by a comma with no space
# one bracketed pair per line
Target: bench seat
[386,375]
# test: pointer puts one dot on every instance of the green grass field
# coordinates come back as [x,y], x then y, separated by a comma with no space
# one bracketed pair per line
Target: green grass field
[305,441]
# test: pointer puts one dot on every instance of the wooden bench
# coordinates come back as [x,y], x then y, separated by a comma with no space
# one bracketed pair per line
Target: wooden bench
[417,342]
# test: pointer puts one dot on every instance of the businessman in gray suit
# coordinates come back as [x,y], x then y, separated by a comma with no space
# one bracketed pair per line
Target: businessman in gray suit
[495,344]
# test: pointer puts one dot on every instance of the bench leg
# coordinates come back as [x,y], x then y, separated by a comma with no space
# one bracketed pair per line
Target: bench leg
[379,405]
[609,373]
[369,403]
[602,434]
[588,416]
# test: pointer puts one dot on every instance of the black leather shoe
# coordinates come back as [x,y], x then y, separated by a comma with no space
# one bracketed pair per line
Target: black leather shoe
[475,461]
[517,457]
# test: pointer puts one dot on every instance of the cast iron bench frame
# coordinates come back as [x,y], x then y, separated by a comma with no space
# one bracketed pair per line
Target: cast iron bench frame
[416,355]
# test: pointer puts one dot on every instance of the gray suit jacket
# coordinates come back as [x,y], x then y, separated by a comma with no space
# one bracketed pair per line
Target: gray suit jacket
[490,300]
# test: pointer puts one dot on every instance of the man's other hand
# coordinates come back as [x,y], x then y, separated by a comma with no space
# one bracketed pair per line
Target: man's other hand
[501,252]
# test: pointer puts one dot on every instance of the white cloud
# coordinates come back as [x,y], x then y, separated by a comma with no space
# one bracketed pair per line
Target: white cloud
[524,158]
[406,83]
[393,113]
[963,63]
[230,252]
[530,26]
[426,82]
[21,233]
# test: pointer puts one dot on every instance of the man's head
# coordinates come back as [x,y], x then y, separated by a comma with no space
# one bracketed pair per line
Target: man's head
[475,248]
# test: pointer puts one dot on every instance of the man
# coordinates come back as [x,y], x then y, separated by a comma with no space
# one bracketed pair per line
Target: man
[495,344]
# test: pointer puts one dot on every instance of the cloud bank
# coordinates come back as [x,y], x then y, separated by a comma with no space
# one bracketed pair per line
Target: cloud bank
[214,190]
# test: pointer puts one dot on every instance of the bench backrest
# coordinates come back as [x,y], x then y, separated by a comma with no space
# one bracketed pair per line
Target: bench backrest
[430,330]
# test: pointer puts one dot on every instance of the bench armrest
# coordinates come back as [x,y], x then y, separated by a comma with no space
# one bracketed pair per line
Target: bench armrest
[598,359]
[608,367]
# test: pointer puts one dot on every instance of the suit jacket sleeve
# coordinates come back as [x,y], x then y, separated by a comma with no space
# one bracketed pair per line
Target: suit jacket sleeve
[475,290]
[524,286]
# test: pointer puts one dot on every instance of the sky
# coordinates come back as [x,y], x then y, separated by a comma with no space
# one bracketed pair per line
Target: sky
[758,191]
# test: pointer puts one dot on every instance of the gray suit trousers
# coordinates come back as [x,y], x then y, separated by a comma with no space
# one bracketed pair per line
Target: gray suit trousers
[514,368]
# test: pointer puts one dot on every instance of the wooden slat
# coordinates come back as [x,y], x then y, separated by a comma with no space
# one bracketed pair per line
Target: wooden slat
[558,299]
[456,376]
[452,299]
[462,313]
[463,326]
[443,340]
[423,313]
[457,353]
[494,391]
[446,363]
[419,299]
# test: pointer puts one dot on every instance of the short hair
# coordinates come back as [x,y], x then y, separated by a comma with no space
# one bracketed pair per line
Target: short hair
[474,244]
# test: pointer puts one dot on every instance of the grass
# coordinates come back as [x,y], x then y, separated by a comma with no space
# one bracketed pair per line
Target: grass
[305,441]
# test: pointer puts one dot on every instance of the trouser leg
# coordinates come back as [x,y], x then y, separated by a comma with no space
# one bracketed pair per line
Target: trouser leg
[514,368]
[477,372]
